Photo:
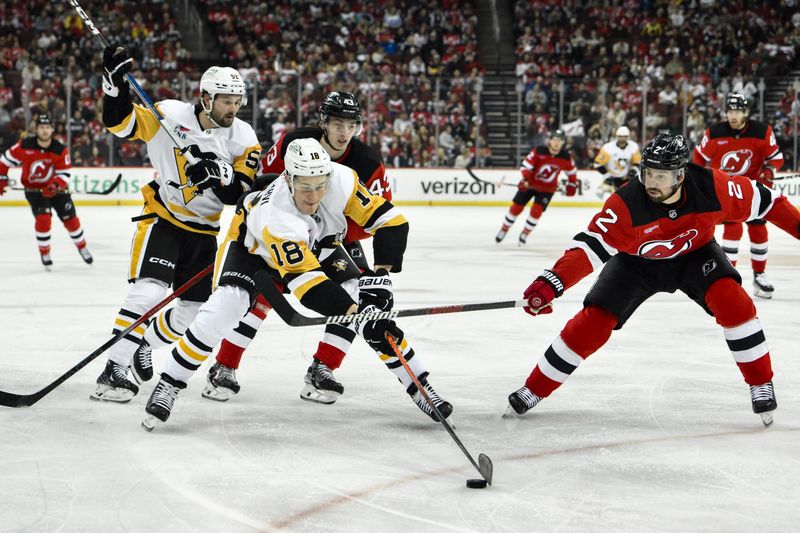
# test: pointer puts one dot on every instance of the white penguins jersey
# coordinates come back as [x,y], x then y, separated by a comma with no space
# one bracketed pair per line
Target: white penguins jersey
[618,160]
[293,243]
[237,145]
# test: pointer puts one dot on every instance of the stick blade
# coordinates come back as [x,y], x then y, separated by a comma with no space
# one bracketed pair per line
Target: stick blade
[486,467]
[8,399]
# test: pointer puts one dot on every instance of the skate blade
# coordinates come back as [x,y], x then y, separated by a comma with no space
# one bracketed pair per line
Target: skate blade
[217,394]
[766,418]
[510,413]
[107,394]
[312,394]
[763,294]
[150,422]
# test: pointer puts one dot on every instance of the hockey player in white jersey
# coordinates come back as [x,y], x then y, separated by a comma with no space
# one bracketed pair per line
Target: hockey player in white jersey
[287,231]
[617,161]
[176,235]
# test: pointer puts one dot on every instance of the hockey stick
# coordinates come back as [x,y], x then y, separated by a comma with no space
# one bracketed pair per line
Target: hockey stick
[9,399]
[474,176]
[485,467]
[133,83]
[290,315]
[109,190]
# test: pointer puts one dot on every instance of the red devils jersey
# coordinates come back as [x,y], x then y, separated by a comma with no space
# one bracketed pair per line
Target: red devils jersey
[739,152]
[631,223]
[358,156]
[39,165]
[540,169]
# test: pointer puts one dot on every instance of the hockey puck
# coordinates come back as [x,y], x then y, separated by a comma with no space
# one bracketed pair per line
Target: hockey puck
[476,483]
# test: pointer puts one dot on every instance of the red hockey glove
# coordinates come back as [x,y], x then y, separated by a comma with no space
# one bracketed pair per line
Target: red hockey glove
[53,187]
[767,176]
[542,292]
[3,184]
[571,188]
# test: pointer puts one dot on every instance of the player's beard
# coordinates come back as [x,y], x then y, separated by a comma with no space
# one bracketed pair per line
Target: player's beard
[662,195]
[224,121]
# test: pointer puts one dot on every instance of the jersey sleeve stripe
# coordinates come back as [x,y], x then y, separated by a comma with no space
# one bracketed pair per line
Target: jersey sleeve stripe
[763,199]
[704,156]
[594,245]
[8,160]
[526,165]
[125,128]
[305,282]
[378,214]
[775,155]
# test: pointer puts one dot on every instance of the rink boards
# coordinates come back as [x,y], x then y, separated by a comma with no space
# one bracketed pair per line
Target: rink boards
[411,186]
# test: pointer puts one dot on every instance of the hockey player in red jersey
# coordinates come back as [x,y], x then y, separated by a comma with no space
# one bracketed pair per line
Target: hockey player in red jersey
[657,235]
[540,171]
[45,173]
[743,147]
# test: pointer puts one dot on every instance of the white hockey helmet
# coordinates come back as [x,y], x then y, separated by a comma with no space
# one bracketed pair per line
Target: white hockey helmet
[306,157]
[623,131]
[222,80]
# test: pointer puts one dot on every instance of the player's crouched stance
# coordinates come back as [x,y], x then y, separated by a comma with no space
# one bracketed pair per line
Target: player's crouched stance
[657,235]
[288,230]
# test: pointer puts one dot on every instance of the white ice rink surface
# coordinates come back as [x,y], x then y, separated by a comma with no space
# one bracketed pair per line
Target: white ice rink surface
[652,433]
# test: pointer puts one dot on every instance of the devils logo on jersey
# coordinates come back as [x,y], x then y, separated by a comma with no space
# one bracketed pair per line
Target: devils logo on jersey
[668,249]
[547,173]
[736,163]
[41,170]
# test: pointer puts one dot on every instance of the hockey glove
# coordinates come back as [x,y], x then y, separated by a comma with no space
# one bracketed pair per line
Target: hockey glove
[633,173]
[375,331]
[542,292]
[53,187]
[116,63]
[3,184]
[375,289]
[571,188]
[767,176]
[209,171]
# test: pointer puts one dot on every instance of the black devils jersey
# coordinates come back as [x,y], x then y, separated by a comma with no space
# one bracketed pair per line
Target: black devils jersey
[358,156]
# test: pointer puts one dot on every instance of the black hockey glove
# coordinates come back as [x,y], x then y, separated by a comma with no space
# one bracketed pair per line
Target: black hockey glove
[209,171]
[116,63]
[374,332]
[375,289]
[633,173]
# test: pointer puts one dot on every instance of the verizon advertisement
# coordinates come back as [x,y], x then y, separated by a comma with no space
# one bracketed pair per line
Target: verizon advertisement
[411,186]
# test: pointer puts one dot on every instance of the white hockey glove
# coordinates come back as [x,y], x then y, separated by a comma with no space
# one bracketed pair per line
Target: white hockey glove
[116,63]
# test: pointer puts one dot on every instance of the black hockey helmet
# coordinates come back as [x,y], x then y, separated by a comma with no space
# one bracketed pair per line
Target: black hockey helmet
[43,119]
[558,134]
[736,101]
[667,151]
[340,104]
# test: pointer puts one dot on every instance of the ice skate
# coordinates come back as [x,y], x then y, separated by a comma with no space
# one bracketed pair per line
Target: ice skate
[142,367]
[221,383]
[85,255]
[521,401]
[47,262]
[444,407]
[500,236]
[762,287]
[159,406]
[321,386]
[113,385]
[763,398]
[523,238]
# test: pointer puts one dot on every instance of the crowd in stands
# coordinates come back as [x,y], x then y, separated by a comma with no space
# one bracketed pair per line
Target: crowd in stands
[676,53]
[390,54]
[413,65]
[48,58]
